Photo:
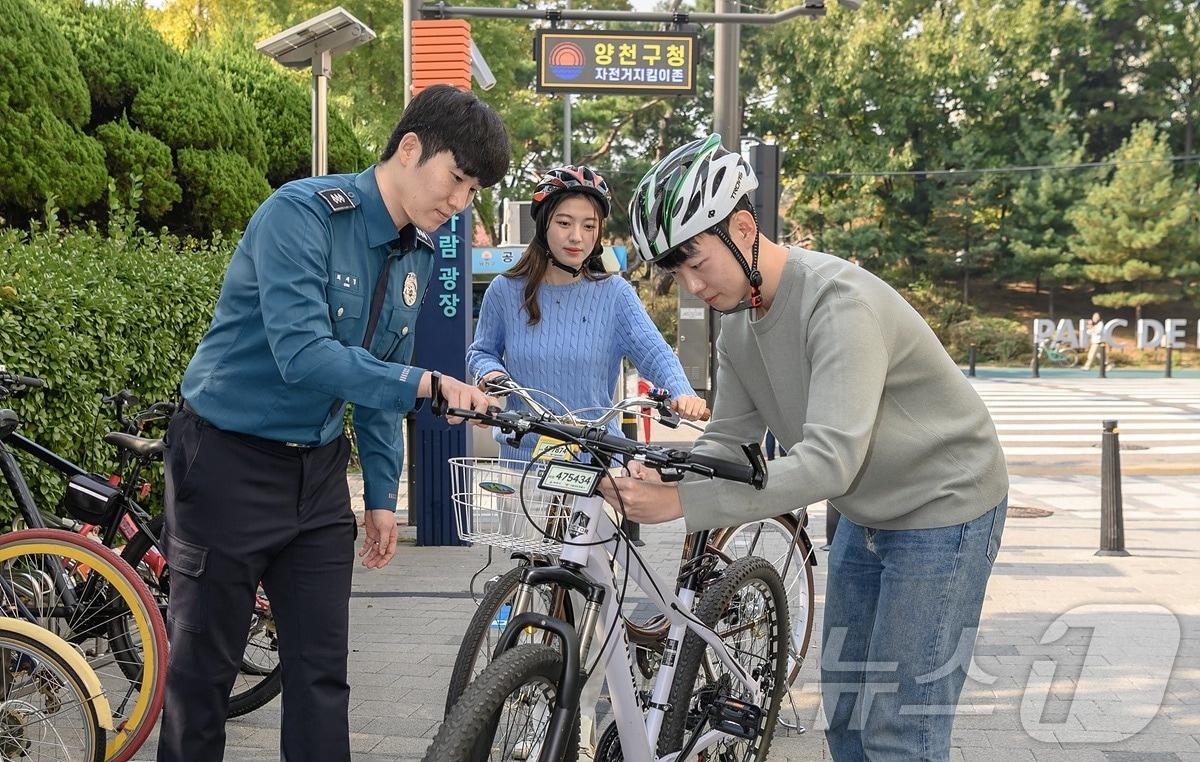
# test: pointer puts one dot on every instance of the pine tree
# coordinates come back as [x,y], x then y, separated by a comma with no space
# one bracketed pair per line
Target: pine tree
[1132,231]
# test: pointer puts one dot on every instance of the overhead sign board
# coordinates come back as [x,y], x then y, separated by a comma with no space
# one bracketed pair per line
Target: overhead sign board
[650,63]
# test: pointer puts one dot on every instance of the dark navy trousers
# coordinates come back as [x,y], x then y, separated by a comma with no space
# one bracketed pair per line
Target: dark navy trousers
[241,509]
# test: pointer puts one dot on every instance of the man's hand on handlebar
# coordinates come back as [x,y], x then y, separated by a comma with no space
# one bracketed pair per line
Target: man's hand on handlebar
[690,408]
[643,496]
[458,395]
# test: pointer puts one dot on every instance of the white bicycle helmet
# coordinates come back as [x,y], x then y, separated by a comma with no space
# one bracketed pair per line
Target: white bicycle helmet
[688,193]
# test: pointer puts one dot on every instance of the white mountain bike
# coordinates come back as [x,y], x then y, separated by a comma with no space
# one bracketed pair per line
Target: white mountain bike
[724,666]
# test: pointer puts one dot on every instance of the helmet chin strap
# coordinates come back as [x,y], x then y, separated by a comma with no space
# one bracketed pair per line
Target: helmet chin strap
[751,269]
[575,271]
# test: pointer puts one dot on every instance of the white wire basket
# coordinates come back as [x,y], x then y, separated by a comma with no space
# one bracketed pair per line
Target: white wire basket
[488,494]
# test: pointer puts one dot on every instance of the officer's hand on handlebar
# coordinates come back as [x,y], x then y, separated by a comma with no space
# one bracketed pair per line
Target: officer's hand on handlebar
[690,408]
[458,395]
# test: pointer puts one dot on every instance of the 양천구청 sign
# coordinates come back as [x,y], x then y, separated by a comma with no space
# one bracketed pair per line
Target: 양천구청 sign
[653,63]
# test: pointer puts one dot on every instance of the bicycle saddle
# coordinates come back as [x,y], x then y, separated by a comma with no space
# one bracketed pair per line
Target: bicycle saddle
[143,447]
[9,421]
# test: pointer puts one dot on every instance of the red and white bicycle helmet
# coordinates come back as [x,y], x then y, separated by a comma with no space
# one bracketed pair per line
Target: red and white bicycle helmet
[574,179]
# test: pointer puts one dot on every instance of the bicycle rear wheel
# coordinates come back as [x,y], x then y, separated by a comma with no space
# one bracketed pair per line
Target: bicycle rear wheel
[46,711]
[772,539]
[746,607]
[79,589]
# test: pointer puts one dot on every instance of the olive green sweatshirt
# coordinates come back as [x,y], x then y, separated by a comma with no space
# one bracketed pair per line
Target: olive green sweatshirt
[872,412]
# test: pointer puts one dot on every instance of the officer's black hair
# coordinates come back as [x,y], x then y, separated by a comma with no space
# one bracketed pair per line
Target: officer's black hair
[448,119]
[684,251]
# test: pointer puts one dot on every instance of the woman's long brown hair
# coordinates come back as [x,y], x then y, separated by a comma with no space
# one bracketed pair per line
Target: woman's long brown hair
[536,258]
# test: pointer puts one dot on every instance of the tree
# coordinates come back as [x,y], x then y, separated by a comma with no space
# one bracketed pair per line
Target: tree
[45,155]
[1132,231]
[1038,228]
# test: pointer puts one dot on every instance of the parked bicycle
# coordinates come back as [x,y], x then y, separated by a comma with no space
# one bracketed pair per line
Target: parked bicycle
[503,522]
[108,509]
[724,663]
[52,706]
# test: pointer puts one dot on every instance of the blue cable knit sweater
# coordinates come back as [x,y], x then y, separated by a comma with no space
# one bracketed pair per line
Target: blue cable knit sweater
[575,351]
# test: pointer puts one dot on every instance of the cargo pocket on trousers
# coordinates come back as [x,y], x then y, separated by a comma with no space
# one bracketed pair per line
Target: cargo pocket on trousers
[188,607]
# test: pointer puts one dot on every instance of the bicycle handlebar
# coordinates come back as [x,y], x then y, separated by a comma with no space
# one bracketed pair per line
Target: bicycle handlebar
[754,472]
[13,384]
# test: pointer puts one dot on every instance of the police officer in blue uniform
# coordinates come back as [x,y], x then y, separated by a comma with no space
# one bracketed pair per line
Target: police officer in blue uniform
[317,310]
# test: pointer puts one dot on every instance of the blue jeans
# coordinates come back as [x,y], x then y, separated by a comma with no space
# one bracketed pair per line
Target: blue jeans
[901,611]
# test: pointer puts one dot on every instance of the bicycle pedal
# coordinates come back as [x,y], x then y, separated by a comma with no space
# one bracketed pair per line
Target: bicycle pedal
[737,718]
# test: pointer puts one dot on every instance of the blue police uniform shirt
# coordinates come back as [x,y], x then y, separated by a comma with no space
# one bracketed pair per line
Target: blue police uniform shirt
[284,352]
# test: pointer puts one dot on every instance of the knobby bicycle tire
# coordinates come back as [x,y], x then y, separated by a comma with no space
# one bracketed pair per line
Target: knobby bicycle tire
[714,604]
[471,725]
[476,647]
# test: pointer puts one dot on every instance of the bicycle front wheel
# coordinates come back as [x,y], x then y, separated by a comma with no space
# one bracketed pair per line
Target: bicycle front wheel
[505,714]
[78,589]
[490,620]
[789,549]
[46,711]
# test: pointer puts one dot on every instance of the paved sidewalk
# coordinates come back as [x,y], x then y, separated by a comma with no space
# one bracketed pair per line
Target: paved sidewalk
[1079,658]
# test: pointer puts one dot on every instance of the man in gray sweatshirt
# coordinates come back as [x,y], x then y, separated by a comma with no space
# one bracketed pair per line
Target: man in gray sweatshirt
[874,416]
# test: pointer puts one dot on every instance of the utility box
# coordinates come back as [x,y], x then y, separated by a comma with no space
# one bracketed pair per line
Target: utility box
[519,227]
[693,343]
[764,158]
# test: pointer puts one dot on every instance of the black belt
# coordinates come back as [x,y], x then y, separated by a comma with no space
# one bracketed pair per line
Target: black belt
[274,445]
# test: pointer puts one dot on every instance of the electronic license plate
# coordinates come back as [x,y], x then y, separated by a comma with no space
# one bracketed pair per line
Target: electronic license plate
[580,479]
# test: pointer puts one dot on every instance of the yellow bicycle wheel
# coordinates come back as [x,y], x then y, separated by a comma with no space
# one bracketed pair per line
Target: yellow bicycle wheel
[80,590]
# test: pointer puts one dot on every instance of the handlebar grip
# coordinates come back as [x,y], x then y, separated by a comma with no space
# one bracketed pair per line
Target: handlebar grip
[29,381]
[726,469]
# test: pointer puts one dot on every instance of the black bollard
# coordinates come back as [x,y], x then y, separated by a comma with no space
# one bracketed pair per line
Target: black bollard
[1112,518]
[971,361]
[1168,361]
[1033,364]
[1103,360]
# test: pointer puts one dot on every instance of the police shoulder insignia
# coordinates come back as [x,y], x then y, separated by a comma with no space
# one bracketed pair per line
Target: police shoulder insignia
[337,199]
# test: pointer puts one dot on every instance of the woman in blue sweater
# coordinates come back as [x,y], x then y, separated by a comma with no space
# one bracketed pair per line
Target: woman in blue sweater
[554,322]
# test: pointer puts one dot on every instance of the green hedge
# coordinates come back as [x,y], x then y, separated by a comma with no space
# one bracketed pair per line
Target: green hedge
[221,190]
[995,339]
[91,314]
[44,106]
[130,152]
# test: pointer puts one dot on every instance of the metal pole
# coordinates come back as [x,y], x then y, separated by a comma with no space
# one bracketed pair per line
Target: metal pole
[566,128]
[321,66]
[1112,518]
[971,361]
[412,11]
[1103,360]
[726,111]
[1034,368]
[1168,361]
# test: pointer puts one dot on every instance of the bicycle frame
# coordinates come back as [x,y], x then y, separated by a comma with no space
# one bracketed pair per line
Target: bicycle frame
[638,730]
